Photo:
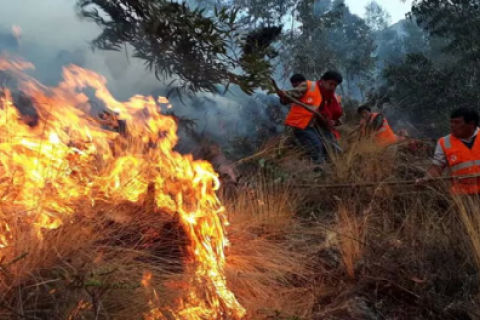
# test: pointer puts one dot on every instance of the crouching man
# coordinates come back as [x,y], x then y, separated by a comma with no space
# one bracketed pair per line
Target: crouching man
[460,153]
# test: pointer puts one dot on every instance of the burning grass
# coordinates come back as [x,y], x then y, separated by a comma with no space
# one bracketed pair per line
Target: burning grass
[67,172]
[96,226]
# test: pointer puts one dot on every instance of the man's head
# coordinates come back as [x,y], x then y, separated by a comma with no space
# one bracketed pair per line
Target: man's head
[330,80]
[365,112]
[464,122]
[297,79]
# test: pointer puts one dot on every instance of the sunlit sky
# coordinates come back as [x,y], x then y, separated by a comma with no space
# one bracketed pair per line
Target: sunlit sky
[396,8]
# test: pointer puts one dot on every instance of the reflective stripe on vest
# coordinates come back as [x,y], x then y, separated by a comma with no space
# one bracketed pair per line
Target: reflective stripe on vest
[465,165]
[447,141]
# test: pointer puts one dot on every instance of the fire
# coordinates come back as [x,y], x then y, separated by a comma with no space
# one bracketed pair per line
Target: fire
[68,157]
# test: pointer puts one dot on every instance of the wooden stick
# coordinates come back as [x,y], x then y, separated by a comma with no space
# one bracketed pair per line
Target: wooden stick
[377,184]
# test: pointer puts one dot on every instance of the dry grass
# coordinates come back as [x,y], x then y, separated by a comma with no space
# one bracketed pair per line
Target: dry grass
[469,212]
[410,253]
[89,268]
[268,267]
[352,231]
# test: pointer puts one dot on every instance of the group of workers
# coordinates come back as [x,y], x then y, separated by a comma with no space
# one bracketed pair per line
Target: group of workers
[316,110]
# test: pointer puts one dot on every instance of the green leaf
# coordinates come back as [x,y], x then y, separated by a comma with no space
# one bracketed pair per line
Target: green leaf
[261,162]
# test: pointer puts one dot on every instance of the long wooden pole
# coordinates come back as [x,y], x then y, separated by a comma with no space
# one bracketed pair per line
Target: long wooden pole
[378,184]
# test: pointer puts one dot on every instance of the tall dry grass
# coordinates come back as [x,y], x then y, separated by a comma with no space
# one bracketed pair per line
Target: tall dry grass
[408,252]
[89,268]
[268,261]
[297,249]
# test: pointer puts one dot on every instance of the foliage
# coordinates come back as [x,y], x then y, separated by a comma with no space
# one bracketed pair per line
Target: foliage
[306,49]
[416,88]
[199,52]
[376,17]
[456,20]
[268,12]
[354,46]
[438,70]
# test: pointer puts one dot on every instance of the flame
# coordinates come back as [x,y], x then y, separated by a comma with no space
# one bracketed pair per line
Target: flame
[45,169]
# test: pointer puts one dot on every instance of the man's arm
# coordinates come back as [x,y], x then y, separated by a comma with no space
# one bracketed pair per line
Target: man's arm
[434,171]
[439,162]
[296,93]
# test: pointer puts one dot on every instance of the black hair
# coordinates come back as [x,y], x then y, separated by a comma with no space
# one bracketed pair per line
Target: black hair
[332,75]
[364,107]
[297,77]
[469,115]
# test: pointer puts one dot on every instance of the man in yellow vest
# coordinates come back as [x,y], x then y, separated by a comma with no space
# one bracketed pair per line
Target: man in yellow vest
[317,140]
[460,152]
[376,126]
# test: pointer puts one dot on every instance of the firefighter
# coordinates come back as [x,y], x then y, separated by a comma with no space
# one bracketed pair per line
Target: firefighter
[317,138]
[375,125]
[459,152]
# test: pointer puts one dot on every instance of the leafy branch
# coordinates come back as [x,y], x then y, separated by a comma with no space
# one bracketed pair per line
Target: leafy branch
[195,50]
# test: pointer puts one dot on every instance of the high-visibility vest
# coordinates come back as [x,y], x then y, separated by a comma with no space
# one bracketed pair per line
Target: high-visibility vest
[462,162]
[299,117]
[384,136]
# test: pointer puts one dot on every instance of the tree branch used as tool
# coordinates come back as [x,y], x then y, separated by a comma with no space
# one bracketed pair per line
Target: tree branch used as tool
[378,184]
[310,109]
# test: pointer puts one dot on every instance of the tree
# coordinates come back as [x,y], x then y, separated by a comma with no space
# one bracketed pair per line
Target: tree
[456,20]
[416,40]
[376,17]
[353,45]
[176,41]
[306,49]
[428,93]
[267,12]
[391,49]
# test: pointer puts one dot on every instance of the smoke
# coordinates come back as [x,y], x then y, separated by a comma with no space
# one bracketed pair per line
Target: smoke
[53,35]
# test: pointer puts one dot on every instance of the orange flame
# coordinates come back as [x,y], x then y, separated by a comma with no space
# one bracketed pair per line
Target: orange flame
[69,157]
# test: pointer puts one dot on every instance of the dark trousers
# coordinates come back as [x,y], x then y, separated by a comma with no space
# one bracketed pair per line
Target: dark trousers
[317,142]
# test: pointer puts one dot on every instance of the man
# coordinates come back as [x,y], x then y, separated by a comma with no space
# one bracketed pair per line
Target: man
[460,152]
[320,96]
[376,126]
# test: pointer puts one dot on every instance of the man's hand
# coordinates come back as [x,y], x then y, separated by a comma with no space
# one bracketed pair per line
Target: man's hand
[228,170]
[423,181]
[433,172]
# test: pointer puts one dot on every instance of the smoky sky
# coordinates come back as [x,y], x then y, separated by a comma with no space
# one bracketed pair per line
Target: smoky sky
[53,35]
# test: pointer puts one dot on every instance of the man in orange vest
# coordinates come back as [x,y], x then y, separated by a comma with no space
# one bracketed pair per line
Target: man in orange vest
[460,152]
[375,125]
[317,140]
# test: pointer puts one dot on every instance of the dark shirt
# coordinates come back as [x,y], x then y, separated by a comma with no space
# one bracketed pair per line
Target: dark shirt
[376,123]
[469,145]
